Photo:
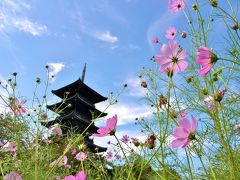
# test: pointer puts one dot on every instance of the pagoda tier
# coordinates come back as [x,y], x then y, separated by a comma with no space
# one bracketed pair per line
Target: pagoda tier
[73,120]
[80,88]
[79,104]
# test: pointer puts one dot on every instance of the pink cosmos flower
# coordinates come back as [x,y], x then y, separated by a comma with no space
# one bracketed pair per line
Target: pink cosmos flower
[109,155]
[81,156]
[170,60]
[206,59]
[12,147]
[56,130]
[109,129]
[74,151]
[13,176]
[82,175]
[155,40]
[125,139]
[184,133]
[176,5]
[171,33]
[16,107]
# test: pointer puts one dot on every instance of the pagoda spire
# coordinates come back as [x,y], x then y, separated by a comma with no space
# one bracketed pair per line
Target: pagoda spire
[84,72]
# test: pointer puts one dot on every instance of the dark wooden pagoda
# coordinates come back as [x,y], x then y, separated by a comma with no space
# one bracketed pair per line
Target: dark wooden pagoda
[76,111]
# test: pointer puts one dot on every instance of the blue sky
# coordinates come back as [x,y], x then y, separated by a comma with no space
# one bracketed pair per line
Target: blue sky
[112,37]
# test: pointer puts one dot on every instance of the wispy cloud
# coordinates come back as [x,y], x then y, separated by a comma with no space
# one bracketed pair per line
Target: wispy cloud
[13,16]
[27,26]
[106,36]
[95,32]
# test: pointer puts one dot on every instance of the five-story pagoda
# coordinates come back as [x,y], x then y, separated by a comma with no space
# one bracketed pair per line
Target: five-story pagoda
[76,111]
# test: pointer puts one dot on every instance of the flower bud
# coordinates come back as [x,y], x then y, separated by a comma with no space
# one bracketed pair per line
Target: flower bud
[195,7]
[144,84]
[204,91]
[214,3]
[235,26]
[183,34]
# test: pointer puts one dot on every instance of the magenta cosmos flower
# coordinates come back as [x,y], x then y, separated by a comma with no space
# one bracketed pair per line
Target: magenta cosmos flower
[109,129]
[170,59]
[176,5]
[13,176]
[206,59]
[171,33]
[184,133]
[82,175]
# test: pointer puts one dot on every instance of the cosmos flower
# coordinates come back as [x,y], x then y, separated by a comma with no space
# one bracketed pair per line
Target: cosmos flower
[82,175]
[74,151]
[109,155]
[12,147]
[81,156]
[184,133]
[56,130]
[125,139]
[206,59]
[176,5]
[13,176]
[109,129]
[170,60]
[155,40]
[171,33]
[17,107]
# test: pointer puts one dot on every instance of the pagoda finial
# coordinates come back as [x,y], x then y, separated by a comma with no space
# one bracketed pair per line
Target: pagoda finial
[84,72]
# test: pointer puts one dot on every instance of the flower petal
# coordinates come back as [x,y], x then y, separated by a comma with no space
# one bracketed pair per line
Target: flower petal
[194,124]
[174,48]
[178,142]
[184,123]
[112,122]
[180,132]
[205,70]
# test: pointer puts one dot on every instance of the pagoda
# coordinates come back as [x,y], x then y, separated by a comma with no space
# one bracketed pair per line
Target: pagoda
[76,111]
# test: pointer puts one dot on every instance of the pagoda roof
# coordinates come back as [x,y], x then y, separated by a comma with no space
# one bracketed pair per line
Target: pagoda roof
[72,119]
[81,88]
[79,105]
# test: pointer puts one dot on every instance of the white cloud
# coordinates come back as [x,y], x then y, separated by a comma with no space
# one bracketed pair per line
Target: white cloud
[106,36]
[127,113]
[27,26]
[134,87]
[54,69]
[13,16]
